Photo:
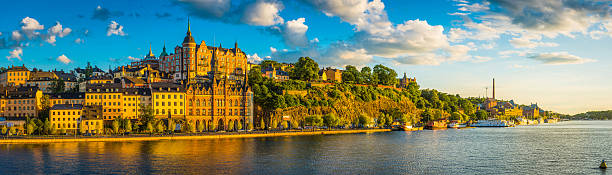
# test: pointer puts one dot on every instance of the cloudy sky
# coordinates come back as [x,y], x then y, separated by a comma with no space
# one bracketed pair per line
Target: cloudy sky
[551,52]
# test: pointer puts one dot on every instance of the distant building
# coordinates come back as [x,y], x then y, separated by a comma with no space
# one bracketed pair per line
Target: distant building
[20,101]
[273,73]
[333,75]
[405,81]
[14,76]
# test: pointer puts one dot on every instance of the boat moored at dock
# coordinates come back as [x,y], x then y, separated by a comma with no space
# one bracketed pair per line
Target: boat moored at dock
[492,123]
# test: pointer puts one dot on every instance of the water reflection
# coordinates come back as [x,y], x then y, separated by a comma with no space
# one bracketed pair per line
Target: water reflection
[565,148]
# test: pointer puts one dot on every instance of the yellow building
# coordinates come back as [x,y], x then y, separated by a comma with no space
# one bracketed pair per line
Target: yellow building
[66,98]
[14,76]
[168,100]
[91,125]
[66,116]
[109,96]
[333,75]
[193,61]
[21,101]
[132,99]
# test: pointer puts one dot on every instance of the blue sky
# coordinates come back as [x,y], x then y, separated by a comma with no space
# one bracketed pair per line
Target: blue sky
[549,52]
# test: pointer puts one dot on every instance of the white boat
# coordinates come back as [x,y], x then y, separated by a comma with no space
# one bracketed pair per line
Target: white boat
[455,124]
[491,123]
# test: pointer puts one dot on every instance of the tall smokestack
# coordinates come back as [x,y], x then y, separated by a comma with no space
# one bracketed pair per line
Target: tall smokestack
[494,88]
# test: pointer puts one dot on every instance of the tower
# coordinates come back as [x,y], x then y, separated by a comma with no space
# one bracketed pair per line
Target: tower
[188,54]
[493,88]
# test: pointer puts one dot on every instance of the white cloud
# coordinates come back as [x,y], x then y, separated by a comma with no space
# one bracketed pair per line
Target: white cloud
[457,34]
[480,59]
[557,58]
[59,30]
[114,29]
[348,10]
[294,32]
[508,53]
[476,7]
[133,58]
[30,27]
[530,40]
[254,58]
[78,41]
[15,35]
[50,39]
[272,49]
[15,53]
[62,58]
[263,13]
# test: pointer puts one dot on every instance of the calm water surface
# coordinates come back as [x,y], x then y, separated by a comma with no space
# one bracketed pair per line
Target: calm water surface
[574,147]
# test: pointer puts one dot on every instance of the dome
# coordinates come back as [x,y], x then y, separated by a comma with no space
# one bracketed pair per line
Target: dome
[188,38]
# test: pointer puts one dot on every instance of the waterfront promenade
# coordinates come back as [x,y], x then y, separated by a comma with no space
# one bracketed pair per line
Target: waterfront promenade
[180,136]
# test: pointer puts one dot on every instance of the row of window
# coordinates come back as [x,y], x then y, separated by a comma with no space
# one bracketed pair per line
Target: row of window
[168,96]
[64,119]
[169,103]
[103,96]
[19,102]
[163,111]
[69,113]
[18,108]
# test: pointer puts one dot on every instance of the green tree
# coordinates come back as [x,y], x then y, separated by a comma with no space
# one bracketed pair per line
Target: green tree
[128,125]
[45,105]
[150,127]
[306,69]
[482,115]
[262,124]
[200,126]
[250,126]
[294,124]
[273,124]
[285,125]
[30,127]
[57,86]
[47,127]
[455,116]
[212,126]
[239,126]
[189,128]
[330,120]
[364,120]
[115,126]
[230,126]
[366,75]
[12,130]
[381,120]
[171,125]
[160,126]
[3,130]
[145,113]
[385,75]
[351,75]
[255,77]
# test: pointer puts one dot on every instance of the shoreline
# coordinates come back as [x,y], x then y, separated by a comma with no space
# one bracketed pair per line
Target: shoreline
[186,137]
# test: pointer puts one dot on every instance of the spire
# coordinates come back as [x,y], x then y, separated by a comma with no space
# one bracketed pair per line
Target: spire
[150,51]
[188,27]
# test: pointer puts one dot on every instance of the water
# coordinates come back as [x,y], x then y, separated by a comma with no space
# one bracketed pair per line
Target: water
[574,147]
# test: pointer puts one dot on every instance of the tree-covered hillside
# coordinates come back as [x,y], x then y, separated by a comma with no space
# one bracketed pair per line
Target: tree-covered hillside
[368,93]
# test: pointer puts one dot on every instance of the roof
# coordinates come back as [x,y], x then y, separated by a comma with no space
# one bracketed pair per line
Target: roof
[134,80]
[67,95]
[18,92]
[166,87]
[137,91]
[18,68]
[67,107]
[65,76]
[43,76]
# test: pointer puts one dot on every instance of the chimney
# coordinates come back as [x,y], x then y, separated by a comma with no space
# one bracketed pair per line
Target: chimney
[493,88]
